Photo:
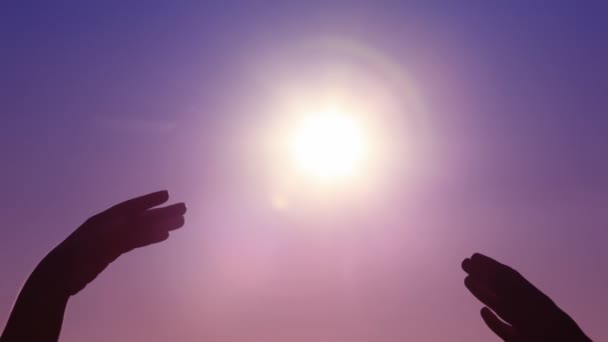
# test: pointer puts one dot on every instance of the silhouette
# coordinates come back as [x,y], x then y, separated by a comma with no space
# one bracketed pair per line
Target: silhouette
[528,314]
[38,312]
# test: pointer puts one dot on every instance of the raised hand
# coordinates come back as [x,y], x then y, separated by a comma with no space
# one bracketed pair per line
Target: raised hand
[516,310]
[107,235]
[79,259]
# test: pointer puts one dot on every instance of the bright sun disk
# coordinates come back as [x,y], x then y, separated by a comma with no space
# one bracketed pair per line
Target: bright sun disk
[329,145]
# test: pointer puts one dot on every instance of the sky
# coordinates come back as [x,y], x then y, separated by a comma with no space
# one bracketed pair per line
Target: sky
[103,101]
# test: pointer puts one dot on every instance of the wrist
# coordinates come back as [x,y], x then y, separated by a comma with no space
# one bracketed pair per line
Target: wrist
[38,311]
[47,281]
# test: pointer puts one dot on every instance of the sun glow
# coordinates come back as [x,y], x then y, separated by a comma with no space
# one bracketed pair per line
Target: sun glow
[339,123]
[329,145]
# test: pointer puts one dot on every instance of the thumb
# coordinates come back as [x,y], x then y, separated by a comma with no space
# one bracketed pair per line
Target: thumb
[500,328]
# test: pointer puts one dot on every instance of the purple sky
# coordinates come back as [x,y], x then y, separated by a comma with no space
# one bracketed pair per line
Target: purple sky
[101,102]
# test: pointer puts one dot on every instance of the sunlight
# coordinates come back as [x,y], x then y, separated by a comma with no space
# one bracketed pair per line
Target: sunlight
[328,145]
[336,130]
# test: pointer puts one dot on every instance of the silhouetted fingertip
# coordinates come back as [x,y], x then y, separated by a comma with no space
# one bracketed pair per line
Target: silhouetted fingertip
[177,209]
[466,265]
[477,256]
[499,327]
[487,314]
[148,201]
[156,194]
[162,236]
[158,197]
[174,209]
[177,223]
[139,204]
[467,281]
[162,194]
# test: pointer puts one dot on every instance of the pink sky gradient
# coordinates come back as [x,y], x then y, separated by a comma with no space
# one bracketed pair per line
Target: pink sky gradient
[108,101]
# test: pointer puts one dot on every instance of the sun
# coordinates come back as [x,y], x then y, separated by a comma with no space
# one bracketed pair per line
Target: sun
[329,145]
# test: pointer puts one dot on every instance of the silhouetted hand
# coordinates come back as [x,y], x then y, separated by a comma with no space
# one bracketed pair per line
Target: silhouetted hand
[527,313]
[104,237]
[79,259]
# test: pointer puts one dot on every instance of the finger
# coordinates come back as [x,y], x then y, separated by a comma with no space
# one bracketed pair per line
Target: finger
[147,231]
[479,264]
[140,204]
[500,328]
[466,265]
[153,236]
[489,298]
[506,282]
[500,278]
[481,292]
[178,209]
[167,218]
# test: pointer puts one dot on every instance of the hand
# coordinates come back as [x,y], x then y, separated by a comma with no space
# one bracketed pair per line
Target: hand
[81,257]
[527,313]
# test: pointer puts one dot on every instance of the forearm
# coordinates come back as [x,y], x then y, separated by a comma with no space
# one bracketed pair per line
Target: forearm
[38,312]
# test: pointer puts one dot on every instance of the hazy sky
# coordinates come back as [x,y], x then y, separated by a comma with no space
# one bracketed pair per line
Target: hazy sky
[103,101]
